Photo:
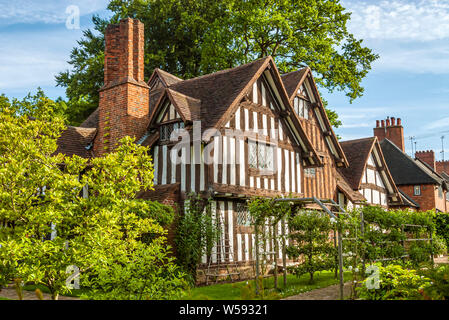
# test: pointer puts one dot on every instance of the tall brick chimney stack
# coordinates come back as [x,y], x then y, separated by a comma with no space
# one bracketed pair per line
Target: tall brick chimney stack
[391,129]
[124,104]
[427,156]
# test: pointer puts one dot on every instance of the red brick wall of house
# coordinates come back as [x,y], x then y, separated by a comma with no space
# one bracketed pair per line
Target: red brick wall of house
[428,199]
[124,98]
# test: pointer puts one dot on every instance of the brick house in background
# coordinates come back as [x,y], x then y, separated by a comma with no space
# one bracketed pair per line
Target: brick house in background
[415,178]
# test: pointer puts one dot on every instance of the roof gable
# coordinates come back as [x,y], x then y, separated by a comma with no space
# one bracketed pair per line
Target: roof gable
[360,154]
[302,80]
[220,93]
[357,153]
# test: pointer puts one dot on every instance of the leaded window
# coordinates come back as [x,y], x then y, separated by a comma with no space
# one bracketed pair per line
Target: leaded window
[243,215]
[310,172]
[167,129]
[260,156]
[301,107]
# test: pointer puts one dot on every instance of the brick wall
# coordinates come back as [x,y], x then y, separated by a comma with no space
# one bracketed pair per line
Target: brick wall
[124,98]
[427,156]
[391,129]
[428,198]
[442,166]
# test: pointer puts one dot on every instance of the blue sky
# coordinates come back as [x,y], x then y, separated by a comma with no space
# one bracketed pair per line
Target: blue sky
[409,81]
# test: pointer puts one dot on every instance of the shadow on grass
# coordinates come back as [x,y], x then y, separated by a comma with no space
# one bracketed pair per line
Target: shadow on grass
[239,290]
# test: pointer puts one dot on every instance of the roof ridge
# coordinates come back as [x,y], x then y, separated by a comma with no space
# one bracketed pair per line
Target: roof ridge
[221,71]
[298,70]
[168,73]
[359,139]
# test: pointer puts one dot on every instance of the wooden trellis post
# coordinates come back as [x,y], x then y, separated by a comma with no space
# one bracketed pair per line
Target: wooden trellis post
[276,250]
[256,236]
[284,254]
[340,261]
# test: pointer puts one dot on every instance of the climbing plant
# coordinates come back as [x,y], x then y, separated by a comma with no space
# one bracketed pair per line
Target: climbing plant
[196,234]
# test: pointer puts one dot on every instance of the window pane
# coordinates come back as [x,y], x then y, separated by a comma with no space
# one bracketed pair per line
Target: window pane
[243,217]
[301,108]
[252,154]
[262,156]
[270,158]
[306,109]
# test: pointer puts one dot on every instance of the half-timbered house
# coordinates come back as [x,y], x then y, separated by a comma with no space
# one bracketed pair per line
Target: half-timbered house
[368,174]
[228,136]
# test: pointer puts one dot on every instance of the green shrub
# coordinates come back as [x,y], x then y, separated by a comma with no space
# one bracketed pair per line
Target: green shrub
[439,288]
[439,245]
[420,252]
[395,283]
[441,220]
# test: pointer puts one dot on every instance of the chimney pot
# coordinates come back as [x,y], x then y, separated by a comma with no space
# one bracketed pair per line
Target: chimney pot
[393,121]
[399,122]
[377,123]
[388,121]
[383,123]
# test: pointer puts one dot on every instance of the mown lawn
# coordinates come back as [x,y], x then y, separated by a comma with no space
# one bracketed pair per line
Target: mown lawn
[245,289]
[240,290]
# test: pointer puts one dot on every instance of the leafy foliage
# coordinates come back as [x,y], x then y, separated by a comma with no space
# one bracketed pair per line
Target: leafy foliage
[441,220]
[196,234]
[191,38]
[439,288]
[396,283]
[309,232]
[48,223]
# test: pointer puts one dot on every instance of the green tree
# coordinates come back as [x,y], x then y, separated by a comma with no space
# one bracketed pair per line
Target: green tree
[49,222]
[193,37]
[309,233]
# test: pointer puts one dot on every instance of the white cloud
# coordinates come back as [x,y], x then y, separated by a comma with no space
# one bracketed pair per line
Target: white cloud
[431,57]
[419,20]
[441,123]
[46,11]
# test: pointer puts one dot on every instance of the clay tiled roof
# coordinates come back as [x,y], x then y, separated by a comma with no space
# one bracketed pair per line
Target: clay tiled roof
[91,121]
[357,153]
[342,184]
[167,78]
[291,81]
[404,169]
[217,91]
[76,141]
[190,108]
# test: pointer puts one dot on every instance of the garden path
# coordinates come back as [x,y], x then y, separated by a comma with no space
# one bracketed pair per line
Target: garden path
[10,293]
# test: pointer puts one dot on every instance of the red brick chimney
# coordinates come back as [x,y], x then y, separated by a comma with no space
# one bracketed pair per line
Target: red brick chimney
[124,105]
[392,130]
[427,156]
